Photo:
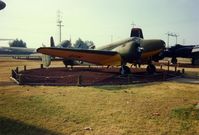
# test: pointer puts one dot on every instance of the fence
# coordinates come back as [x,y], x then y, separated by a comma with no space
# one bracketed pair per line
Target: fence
[86,80]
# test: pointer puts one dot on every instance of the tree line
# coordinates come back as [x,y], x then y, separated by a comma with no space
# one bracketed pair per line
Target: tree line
[66,44]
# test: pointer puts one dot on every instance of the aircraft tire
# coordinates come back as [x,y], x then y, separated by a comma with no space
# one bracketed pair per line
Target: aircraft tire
[151,69]
[174,61]
[68,62]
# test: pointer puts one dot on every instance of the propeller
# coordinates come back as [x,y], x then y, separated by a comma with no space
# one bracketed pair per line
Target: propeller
[138,52]
[46,59]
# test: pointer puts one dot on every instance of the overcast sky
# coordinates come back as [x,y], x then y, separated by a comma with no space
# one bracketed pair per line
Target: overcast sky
[34,21]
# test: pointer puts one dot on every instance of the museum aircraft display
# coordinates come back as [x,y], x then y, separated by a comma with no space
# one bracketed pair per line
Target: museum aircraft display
[134,50]
[183,51]
[13,51]
[2,5]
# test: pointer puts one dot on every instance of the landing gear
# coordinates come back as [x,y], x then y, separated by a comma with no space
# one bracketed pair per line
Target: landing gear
[193,61]
[124,70]
[174,60]
[68,62]
[151,69]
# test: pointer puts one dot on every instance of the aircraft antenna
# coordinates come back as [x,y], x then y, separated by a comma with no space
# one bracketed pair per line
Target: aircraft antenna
[59,24]
[133,24]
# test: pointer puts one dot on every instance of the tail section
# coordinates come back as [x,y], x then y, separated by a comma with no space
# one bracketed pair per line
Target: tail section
[52,43]
[137,32]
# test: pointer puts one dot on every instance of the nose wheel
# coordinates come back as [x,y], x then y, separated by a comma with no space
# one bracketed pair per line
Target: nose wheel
[124,70]
[151,69]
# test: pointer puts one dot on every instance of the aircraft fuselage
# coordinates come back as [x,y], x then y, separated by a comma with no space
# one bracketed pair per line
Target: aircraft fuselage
[128,48]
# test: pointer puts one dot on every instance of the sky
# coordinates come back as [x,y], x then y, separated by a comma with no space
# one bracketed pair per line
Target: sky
[101,21]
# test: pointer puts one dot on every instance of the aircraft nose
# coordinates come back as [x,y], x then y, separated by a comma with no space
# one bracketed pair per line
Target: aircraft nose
[2,5]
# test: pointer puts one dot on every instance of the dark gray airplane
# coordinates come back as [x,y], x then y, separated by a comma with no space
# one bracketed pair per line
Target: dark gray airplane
[13,51]
[2,5]
[183,51]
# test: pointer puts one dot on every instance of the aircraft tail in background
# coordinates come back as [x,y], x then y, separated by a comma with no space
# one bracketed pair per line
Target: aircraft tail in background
[52,43]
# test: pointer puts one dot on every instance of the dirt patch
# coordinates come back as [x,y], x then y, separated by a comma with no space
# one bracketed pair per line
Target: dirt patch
[85,76]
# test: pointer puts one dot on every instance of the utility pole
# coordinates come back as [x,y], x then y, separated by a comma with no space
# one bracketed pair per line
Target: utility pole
[169,34]
[59,24]
[176,38]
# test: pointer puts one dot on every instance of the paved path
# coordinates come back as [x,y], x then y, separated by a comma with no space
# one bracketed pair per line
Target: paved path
[187,80]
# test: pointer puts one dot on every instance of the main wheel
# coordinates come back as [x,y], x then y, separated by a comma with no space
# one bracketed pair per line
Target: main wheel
[174,61]
[151,69]
[124,70]
[68,62]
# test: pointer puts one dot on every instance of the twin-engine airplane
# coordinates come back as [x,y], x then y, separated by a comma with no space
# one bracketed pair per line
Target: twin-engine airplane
[135,50]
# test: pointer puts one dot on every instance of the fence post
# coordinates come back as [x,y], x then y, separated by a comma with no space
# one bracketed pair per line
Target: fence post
[176,68]
[79,80]
[168,65]
[41,66]
[164,76]
[17,70]
[183,71]
[161,66]
[24,67]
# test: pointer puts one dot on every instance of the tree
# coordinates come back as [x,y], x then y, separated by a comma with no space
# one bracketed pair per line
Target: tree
[84,44]
[65,44]
[90,44]
[17,43]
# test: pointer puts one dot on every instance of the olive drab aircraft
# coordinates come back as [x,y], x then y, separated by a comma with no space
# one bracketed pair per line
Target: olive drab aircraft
[2,5]
[134,50]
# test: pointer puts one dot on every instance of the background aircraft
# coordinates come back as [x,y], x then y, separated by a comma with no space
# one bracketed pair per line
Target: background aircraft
[2,5]
[131,50]
[183,51]
[14,51]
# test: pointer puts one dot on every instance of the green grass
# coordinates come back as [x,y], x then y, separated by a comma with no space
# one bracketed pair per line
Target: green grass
[132,109]
[155,108]
[186,113]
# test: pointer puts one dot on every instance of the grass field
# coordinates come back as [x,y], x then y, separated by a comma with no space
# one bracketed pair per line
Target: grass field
[157,108]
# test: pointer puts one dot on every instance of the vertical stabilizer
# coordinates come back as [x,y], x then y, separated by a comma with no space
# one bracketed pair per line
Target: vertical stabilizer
[52,43]
[137,32]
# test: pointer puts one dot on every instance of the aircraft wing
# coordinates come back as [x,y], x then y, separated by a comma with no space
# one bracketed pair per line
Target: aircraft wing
[98,57]
[195,49]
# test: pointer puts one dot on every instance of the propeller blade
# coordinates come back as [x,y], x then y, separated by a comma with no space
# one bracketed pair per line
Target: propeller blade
[46,60]
[52,43]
